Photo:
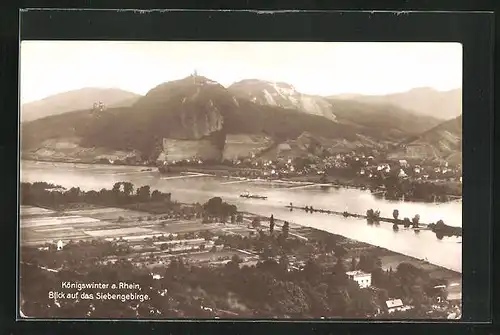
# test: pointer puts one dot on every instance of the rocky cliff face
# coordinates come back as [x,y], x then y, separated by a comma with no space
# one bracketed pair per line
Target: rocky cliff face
[193,107]
[282,95]
[176,150]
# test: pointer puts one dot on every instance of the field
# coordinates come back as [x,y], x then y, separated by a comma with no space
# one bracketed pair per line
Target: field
[33,211]
[39,226]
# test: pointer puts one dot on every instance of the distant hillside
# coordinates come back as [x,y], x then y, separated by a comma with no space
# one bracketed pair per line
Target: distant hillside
[281,95]
[378,119]
[175,114]
[196,116]
[76,100]
[443,142]
[425,101]
[382,120]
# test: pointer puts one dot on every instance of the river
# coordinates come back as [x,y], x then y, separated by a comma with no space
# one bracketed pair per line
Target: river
[446,252]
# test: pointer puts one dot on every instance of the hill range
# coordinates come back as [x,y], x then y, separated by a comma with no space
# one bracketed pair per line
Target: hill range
[198,117]
[76,100]
[424,101]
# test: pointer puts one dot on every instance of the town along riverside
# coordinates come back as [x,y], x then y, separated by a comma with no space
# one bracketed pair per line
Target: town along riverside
[206,260]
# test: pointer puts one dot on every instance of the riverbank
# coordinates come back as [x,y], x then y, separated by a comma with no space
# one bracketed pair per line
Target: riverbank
[389,259]
[86,221]
[339,181]
[446,252]
[314,179]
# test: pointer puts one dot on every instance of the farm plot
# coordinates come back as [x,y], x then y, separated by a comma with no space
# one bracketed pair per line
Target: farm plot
[58,220]
[109,213]
[239,231]
[48,230]
[34,211]
[131,238]
[30,236]
[187,227]
[121,232]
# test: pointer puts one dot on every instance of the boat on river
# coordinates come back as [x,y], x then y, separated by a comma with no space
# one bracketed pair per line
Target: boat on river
[252,196]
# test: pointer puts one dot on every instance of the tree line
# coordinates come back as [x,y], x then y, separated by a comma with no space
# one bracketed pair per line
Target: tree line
[122,193]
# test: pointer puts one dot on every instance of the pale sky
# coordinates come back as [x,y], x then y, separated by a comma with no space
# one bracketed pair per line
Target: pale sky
[322,68]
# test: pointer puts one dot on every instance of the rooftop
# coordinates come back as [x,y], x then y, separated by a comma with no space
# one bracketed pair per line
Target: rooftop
[357,273]
[394,303]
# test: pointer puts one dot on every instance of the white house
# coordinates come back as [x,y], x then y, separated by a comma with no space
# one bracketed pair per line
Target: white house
[402,173]
[384,167]
[394,305]
[363,279]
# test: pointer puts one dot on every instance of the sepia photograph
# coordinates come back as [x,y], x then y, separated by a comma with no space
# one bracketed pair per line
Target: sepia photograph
[240,180]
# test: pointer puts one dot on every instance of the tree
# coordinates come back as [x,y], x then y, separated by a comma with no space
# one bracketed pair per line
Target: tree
[271,224]
[116,187]
[156,195]
[128,188]
[312,271]
[236,259]
[406,222]
[340,251]
[73,194]
[339,273]
[283,262]
[213,206]
[289,299]
[285,229]
[144,193]
[354,264]
[395,214]
[415,221]
[256,222]
[369,263]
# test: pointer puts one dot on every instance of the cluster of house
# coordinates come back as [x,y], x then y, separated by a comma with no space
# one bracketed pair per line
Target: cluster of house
[404,170]
[364,280]
[366,165]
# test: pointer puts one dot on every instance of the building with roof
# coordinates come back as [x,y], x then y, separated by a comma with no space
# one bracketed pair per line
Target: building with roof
[402,174]
[363,279]
[394,305]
